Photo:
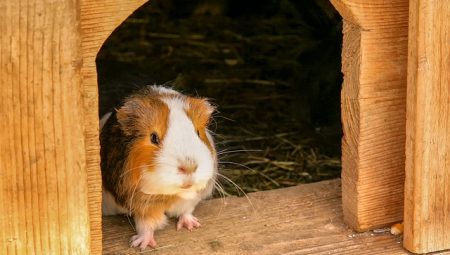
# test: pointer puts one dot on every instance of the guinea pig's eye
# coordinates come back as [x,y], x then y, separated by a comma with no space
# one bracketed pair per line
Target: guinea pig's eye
[198,132]
[154,138]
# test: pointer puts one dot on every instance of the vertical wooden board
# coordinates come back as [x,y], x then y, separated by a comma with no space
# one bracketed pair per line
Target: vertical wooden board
[351,61]
[427,190]
[43,187]
[374,58]
[98,19]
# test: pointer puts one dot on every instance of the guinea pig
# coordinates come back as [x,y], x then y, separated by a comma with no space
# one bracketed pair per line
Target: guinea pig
[158,158]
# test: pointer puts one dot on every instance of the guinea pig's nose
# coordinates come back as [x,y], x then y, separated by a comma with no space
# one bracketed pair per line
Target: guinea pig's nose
[187,166]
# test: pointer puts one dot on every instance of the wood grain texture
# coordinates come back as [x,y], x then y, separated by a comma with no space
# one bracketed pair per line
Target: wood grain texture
[373,102]
[427,191]
[43,178]
[306,219]
[99,18]
[50,185]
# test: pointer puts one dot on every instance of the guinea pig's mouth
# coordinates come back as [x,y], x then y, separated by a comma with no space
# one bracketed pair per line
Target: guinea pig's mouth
[187,184]
[190,184]
[190,189]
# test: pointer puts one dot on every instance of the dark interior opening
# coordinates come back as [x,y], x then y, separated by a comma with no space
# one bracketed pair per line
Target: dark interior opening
[272,68]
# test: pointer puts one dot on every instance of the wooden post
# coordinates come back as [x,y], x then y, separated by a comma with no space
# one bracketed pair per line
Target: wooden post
[50,185]
[98,19]
[374,58]
[427,191]
[43,183]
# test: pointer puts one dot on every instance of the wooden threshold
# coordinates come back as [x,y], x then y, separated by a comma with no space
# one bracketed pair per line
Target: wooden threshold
[306,219]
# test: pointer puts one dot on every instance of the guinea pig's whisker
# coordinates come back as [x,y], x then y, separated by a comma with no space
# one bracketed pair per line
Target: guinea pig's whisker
[222,189]
[129,221]
[237,164]
[132,193]
[219,189]
[222,193]
[225,118]
[212,132]
[131,169]
[239,189]
[224,152]
[213,122]
[232,182]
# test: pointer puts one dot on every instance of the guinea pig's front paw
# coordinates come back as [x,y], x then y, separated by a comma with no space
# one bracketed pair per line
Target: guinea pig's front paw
[143,240]
[188,221]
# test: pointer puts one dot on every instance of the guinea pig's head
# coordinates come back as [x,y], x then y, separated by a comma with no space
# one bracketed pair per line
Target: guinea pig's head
[171,151]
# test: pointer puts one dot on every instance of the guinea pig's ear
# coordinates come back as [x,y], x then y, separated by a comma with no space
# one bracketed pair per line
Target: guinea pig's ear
[127,117]
[200,110]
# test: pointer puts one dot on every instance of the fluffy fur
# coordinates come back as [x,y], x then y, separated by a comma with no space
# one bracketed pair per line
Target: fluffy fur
[151,180]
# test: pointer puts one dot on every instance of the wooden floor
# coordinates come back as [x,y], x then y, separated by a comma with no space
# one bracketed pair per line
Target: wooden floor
[306,219]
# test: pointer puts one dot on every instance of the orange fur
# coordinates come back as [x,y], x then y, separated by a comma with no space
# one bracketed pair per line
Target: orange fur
[199,112]
[141,155]
[152,206]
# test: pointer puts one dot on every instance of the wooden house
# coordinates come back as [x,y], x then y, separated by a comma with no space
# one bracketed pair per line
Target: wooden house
[396,144]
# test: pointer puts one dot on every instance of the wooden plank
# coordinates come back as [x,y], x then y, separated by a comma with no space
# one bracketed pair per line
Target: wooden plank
[98,18]
[306,219]
[374,58]
[43,187]
[427,191]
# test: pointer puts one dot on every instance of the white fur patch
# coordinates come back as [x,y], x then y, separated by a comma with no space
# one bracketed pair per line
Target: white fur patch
[165,90]
[183,206]
[180,142]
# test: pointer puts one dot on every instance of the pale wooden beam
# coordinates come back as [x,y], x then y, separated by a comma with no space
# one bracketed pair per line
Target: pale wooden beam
[99,18]
[50,185]
[374,58]
[43,177]
[427,191]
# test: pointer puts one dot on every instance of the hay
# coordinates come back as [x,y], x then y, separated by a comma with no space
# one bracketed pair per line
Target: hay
[267,160]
